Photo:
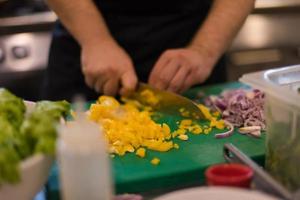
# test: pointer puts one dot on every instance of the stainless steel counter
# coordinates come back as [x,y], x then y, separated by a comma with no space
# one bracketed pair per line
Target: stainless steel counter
[271,4]
[269,38]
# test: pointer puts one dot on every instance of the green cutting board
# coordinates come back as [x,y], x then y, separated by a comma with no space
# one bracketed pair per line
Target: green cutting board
[178,167]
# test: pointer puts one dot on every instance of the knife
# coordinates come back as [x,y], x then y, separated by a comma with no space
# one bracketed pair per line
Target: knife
[166,102]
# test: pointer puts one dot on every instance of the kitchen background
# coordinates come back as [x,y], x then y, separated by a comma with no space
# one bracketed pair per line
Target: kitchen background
[269,38]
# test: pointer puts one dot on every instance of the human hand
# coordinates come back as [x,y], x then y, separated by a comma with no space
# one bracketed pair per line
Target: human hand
[178,69]
[107,68]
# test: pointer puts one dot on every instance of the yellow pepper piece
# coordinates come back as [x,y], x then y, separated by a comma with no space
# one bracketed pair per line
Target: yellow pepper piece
[183,137]
[184,112]
[158,145]
[166,130]
[155,161]
[216,114]
[205,111]
[176,146]
[141,152]
[174,134]
[128,148]
[186,122]
[207,131]
[181,131]
[108,101]
[149,97]
[196,129]
[219,124]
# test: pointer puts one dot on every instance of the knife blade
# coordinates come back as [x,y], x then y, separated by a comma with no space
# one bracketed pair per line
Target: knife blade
[166,102]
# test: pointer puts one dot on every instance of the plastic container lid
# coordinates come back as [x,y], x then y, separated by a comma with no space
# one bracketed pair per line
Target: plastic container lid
[232,174]
[282,83]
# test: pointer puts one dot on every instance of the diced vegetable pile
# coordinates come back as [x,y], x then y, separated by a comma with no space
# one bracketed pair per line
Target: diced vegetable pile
[129,127]
[23,135]
[242,108]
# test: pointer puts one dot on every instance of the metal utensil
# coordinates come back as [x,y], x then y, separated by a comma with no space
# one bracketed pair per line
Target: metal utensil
[167,102]
[262,180]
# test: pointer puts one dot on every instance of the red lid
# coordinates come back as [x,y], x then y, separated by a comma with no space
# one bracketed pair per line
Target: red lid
[232,174]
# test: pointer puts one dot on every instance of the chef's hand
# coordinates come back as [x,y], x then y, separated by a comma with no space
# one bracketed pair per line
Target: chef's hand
[108,69]
[178,69]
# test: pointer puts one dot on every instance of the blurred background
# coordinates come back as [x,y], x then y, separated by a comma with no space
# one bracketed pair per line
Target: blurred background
[269,38]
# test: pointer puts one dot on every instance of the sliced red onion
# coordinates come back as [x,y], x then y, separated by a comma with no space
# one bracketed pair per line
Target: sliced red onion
[240,107]
[227,133]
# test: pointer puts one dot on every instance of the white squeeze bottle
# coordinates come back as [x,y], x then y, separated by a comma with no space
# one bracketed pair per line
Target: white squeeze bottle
[83,161]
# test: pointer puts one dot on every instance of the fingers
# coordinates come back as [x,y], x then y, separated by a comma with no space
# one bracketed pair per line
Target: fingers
[90,81]
[128,82]
[189,82]
[99,85]
[106,80]
[169,72]
[163,79]
[158,67]
[178,81]
[179,69]
[109,83]
[111,87]
[95,79]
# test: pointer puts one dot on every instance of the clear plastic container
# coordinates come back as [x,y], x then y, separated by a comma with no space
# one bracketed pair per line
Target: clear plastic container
[282,110]
[83,161]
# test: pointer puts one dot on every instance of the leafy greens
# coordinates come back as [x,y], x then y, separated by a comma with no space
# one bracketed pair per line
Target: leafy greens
[23,135]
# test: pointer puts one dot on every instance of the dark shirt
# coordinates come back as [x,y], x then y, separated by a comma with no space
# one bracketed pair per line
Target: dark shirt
[144,28]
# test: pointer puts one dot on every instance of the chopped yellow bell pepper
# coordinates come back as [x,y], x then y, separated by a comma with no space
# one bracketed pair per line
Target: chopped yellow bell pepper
[155,161]
[141,152]
[205,111]
[183,137]
[219,124]
[149,97]
[176,146]
[186,122]
[129,127]
[196,129]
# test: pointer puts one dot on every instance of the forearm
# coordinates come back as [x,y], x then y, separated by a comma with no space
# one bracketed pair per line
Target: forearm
[82,19]
[222,24]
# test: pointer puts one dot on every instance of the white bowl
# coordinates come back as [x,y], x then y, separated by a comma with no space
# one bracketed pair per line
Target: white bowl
[34,172]
[216,193]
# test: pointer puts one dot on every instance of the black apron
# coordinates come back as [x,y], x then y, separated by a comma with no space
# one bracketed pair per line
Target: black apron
[144,29]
